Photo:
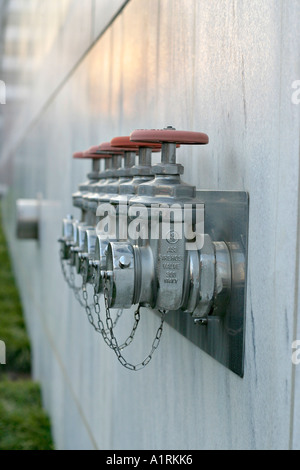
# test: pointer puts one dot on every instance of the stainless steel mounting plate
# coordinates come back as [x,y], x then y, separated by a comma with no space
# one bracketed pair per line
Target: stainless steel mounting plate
[226,219]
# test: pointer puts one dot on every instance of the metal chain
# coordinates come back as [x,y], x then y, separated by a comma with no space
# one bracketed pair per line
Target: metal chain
[108,332]
[70,280]
[98,310]
[115,346]
[100,328]
[87,307]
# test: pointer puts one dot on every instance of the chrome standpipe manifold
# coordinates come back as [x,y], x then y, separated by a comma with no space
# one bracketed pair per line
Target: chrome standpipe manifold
[88,219]
[96,240]
[138,174]
[165,270]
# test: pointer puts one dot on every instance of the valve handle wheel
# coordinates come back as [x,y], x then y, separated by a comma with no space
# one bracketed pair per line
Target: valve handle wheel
[78,155]
[169,135]
[107,148]
[96,152]
[124,143]
[92,153]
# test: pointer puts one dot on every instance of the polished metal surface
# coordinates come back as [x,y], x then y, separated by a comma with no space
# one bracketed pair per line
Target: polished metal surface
[87,254]
[211,289]
[195,272]
[226,220]
[120,274]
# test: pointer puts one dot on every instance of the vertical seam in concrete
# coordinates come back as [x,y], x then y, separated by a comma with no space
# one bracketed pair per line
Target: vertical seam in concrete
[296,287]
[297,273]
[296,303]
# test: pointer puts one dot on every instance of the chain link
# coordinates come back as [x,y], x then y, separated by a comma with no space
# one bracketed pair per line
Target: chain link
[108,332]
[115,346]
[70,279]
[100,328]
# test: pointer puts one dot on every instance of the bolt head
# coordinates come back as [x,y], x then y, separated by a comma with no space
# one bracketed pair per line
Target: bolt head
[168,169]
[203,321]
[124,262]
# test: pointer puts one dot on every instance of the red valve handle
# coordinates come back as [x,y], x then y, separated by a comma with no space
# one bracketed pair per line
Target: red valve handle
[94,152]
[169,136]
[78,155]
[125,143]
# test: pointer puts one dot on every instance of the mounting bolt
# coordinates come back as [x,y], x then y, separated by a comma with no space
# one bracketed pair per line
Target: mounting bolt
[124,262]
[201,321]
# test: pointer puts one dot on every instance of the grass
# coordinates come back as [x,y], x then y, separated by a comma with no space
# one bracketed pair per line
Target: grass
[23,423]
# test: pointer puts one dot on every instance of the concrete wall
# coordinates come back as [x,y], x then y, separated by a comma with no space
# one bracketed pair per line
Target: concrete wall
[222,67]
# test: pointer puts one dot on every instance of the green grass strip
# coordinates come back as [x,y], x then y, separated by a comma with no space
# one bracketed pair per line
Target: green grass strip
[23,423]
